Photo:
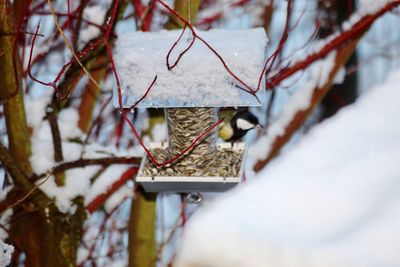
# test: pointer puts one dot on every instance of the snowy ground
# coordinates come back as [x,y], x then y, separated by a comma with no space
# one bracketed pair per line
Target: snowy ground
[332,200]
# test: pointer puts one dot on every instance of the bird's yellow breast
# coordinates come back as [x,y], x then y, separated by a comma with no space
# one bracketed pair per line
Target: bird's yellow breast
[225,132]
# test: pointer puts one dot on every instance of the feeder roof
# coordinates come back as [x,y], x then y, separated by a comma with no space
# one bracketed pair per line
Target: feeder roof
[199,79]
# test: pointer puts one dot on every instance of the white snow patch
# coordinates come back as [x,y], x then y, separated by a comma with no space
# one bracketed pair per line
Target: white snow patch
[105,180]
[319,73]
[77,180]
[159,132]
[68,124]
[4,220]
[4,192]
[118,197]
[36,108]
[6,252]
[96,15]
[330,201]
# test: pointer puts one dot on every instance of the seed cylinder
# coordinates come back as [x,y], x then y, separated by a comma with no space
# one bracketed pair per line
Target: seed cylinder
[184,126]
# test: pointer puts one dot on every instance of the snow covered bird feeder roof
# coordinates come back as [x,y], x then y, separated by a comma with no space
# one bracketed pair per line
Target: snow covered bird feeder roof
[199,79]
[191,92]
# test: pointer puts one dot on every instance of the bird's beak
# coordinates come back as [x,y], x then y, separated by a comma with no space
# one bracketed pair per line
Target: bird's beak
[259,126]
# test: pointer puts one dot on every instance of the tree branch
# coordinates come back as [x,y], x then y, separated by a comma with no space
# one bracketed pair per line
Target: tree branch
[9,163]
[101,199]
[57,144]
[335,43]
[80,163]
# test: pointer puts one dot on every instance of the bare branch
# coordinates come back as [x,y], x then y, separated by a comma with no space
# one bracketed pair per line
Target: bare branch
[90,162]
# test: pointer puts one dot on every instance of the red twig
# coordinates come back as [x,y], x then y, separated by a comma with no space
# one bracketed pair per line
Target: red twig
[145,94]
[284,37]
[119,131]
[101,199]
[182,53]
[148,19]
[69,14]
[183,212]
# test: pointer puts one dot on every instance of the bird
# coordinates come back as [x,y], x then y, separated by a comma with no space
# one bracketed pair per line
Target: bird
[241,122]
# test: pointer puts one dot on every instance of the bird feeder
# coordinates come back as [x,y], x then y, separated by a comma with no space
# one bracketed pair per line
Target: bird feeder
[191,93]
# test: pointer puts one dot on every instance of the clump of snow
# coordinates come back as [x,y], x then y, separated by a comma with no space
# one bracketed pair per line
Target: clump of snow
[159,132]
[319,73]
[68,124]
[340,76]
[77,181]
[6,252]
[95,14]
[36,108]
[4,192]
[118,197]
[330,201]
[4,220]
[104,181]
[199,79]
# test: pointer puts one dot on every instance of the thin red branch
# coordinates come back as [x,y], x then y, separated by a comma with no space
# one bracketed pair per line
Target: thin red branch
[69,14]
[180,54]
[148,18]
[274,55]
[145,94]
[101,199]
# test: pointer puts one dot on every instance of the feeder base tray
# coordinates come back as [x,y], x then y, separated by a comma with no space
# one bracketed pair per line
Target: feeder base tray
[185,184]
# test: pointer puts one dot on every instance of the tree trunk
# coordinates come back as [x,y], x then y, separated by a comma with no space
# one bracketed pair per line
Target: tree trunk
[47,237]
[50,238]
[142,244]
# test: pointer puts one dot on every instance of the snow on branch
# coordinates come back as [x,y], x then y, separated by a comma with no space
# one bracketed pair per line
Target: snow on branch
[306,99]
[356,27]
[101,198]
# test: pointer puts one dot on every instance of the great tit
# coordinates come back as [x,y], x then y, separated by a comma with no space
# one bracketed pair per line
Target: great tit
[242,122]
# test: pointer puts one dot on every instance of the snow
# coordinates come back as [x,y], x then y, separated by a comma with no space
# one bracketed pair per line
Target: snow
[372,6]
[78,180]
[118,197]
[300,100]
[4,220]
[332,200]
[6,252]
[104,181]
[202,79]
[94,14]
[159,133]
[365,8]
